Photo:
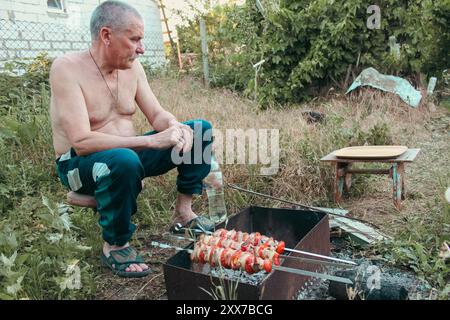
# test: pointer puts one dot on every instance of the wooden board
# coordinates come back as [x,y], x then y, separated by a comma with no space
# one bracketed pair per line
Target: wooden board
[358,231]
[370,152]
[409,156]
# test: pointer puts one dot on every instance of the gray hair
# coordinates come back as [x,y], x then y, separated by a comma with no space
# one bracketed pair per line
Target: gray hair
[111,14]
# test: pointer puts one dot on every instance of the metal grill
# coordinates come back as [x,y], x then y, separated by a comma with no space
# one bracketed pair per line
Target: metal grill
[25,40]
[304,230]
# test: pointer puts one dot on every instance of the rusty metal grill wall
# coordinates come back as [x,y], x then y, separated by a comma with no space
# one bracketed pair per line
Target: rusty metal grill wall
[299,229]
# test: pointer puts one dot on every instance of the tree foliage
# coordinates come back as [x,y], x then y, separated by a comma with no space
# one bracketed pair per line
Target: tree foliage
[308,44]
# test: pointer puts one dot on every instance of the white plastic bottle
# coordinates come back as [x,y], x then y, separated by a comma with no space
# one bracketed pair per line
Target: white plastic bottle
[214,190]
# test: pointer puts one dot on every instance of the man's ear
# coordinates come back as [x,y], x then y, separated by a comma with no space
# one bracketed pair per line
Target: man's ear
[105,35]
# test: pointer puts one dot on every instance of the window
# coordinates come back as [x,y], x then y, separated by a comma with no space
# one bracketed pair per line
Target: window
[56,5]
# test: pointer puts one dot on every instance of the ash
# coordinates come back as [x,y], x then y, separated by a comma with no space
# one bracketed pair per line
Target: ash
[239,276]
[317,289]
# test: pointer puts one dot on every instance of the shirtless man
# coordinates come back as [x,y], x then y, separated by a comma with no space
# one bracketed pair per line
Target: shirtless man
[94,94]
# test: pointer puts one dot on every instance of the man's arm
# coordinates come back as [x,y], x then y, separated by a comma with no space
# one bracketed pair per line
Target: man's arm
[159,118]
[71,111]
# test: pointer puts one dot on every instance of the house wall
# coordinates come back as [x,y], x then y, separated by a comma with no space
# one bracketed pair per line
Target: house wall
[28,27]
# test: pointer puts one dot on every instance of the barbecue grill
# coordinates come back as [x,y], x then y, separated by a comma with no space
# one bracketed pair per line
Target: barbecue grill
[306,230]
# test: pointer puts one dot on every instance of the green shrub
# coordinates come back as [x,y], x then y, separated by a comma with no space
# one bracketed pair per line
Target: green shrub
[42,252]
[310,44]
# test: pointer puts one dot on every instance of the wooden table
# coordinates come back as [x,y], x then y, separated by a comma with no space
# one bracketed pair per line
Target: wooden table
[344,171]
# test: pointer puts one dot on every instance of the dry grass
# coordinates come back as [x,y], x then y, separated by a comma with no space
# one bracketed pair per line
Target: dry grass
[302,177]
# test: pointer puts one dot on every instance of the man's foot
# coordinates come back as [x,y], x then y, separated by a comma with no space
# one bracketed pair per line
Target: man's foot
[183,209]
[141,267]
[191,222]
[183,218]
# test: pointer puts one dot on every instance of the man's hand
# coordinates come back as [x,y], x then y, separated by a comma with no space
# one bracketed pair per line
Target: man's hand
[179,136]
[186,142]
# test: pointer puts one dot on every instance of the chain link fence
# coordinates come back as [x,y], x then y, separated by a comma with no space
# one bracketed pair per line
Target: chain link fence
[23,40]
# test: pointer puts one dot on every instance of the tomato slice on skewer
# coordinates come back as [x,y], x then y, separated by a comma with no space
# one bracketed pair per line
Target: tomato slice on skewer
[211,257]
[201,256]
[267,265]
[261,251]
[235,260]
[276,258]
[249,264]
[223,258]
[281,246]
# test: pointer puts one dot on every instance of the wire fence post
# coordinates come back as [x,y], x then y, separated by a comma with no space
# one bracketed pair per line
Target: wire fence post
[257,67]
[204,52]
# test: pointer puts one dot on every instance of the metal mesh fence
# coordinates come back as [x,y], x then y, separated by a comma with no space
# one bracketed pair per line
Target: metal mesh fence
[25,40]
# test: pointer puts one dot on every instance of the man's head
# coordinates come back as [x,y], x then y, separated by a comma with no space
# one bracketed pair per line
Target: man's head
[120,28]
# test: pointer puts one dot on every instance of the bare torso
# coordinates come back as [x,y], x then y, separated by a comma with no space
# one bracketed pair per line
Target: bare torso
[104,114]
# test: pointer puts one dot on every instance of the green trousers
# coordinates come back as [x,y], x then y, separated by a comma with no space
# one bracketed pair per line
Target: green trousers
[114,177]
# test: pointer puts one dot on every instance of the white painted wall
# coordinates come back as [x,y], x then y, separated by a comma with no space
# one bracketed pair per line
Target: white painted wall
[28,27]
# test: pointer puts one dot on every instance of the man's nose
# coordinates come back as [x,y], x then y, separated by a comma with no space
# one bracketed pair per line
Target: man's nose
[140,48]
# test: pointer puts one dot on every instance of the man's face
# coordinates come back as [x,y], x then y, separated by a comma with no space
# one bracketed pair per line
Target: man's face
[127,44]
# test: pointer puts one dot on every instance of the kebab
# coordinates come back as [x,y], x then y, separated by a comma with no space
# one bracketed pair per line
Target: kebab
[281,245]
[236,259]
[229,258]
[263,250]
[250,239]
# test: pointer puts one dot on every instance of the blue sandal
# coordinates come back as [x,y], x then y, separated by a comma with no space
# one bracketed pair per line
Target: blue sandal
[119,260]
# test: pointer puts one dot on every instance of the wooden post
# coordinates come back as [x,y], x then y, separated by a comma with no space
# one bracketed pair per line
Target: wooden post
[401,171]
[396,186]
[339,181]
[204,52]
[348,178]
[180,60]
[256,84]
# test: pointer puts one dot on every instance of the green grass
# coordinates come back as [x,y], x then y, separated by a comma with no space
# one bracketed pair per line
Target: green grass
[45,245]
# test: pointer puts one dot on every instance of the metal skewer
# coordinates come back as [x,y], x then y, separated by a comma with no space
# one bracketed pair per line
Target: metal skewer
[179,227]
[279,268]
[348,262]
[302,206]
[283,256]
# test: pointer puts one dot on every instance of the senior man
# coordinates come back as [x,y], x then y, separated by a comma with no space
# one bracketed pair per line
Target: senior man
[94,94]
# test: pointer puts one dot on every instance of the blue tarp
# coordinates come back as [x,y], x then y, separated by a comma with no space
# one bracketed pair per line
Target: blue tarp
[399,86]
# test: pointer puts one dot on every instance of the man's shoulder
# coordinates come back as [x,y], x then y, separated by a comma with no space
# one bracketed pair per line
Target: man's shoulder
[68,62]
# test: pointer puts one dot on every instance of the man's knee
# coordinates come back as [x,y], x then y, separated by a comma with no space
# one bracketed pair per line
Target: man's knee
[199,125]
[125,162]
[206,125]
